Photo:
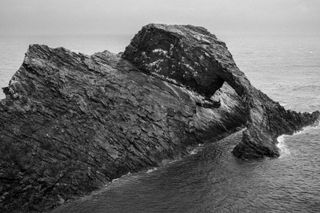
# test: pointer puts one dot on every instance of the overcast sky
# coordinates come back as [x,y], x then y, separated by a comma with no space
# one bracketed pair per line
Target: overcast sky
[128,16]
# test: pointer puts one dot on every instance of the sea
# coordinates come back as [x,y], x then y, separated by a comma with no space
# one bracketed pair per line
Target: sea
[210,179]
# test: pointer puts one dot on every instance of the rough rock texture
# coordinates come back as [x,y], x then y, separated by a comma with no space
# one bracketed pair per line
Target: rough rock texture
[70,122]
[194,57]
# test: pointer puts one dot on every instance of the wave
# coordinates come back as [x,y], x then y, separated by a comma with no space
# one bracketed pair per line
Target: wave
[152,170]
[282,146]
[284,150]
[308,128]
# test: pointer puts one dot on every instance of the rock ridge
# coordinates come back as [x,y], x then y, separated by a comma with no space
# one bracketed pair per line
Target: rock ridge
[196,58]
[72,122]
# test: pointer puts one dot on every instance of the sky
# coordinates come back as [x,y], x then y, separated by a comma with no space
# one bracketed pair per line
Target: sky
[59,17]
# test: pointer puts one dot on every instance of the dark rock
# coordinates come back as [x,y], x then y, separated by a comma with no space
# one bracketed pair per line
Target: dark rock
[70,122]
[194,57]
[190,55]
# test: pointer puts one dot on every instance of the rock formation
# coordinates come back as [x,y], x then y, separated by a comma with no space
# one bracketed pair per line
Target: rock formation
[194,57]
[71,122]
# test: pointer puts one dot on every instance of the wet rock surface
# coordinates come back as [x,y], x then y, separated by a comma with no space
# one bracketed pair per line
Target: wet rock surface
[71,122]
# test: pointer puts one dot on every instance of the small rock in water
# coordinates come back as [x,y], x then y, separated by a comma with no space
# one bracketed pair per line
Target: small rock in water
[70,122]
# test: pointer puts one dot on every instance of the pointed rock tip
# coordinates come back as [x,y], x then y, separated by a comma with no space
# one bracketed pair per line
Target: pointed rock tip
[37,47]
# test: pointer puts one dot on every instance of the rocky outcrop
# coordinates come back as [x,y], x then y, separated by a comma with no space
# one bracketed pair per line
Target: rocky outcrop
[71,122]
[194,57]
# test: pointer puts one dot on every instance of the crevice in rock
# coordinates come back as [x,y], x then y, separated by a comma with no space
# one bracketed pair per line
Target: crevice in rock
[76,122]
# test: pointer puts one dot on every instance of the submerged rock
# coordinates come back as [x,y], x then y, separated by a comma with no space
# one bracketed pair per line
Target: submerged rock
[71,122]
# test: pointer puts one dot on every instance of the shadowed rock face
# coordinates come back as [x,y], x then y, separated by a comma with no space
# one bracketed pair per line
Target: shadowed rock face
[71,122]
[190,55]
[194,57]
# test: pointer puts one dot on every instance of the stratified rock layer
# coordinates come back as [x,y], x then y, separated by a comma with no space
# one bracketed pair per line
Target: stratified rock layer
[70,122]
[194,57]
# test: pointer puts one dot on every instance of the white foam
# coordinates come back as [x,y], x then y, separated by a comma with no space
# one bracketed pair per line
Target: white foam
[119,178]
[284,150]
[308,128]
[152,170]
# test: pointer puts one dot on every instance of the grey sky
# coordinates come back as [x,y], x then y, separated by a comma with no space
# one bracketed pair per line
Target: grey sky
[127,16]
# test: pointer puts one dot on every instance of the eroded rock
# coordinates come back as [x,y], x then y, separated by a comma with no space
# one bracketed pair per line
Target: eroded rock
[194,57]
[71,122]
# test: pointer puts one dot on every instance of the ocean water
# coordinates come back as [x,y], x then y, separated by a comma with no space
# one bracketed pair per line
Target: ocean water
[210,179]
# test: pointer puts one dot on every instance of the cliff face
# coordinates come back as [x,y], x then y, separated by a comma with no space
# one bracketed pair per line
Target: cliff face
[70,122]
[194,57]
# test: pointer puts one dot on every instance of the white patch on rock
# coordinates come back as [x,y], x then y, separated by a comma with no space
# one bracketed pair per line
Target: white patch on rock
[156,63]
[160,51]
[201,38]
[171,47]
[188,66]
